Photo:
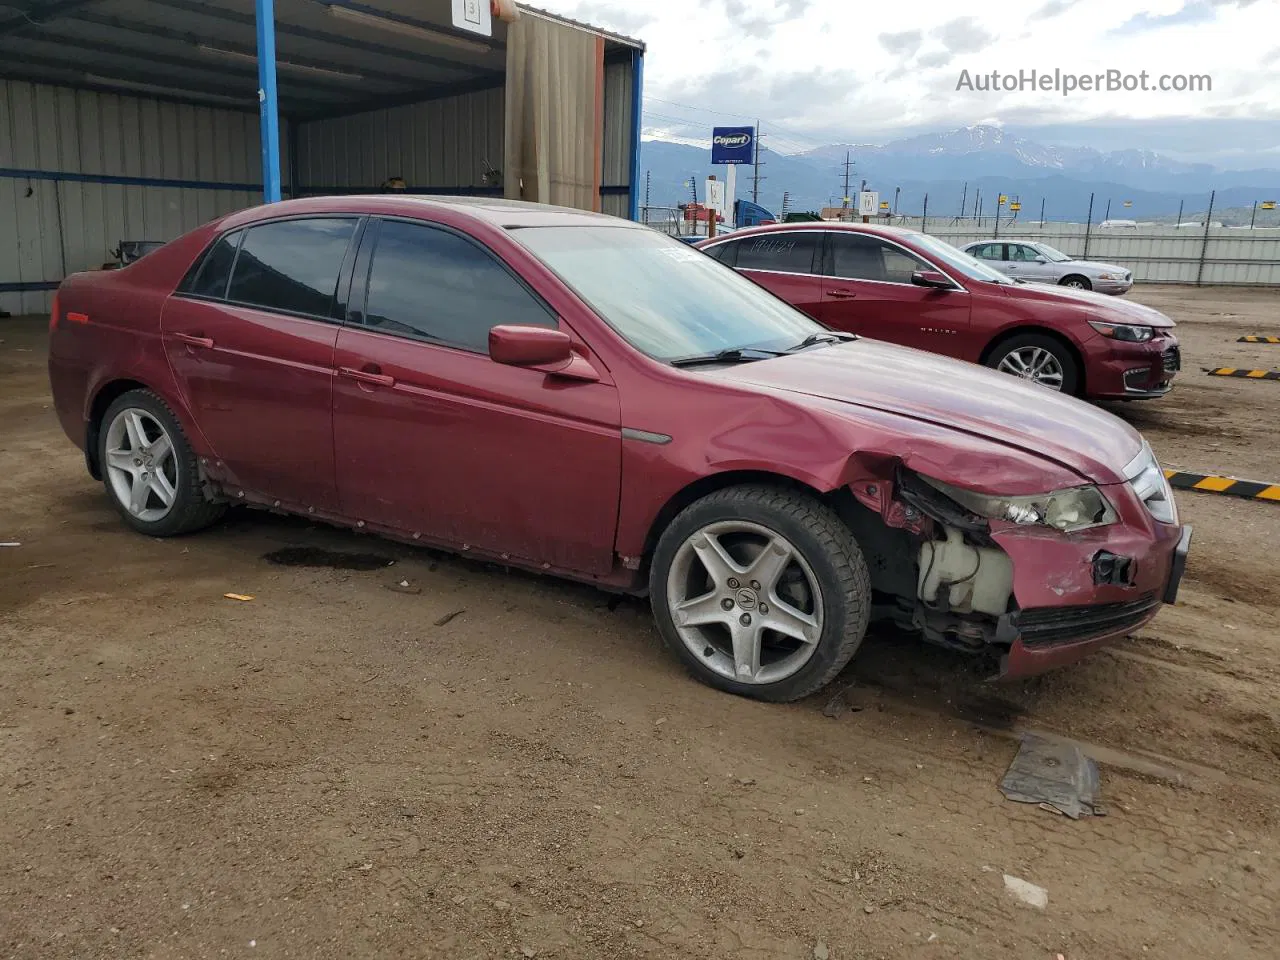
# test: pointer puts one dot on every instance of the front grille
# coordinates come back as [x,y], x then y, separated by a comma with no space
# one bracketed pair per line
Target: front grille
[1045,626]
[1172,360]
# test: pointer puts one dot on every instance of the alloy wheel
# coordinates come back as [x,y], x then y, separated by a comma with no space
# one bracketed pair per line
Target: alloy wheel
[1035,364]
[141,464]
[745,601]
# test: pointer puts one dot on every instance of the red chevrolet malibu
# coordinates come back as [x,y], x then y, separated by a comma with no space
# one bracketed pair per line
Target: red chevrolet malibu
[582,396]
[911,288]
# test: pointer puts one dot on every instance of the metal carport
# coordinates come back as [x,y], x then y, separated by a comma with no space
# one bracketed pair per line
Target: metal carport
[140,119]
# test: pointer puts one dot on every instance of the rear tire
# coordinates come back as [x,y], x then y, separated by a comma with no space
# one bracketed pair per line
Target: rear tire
[1076,281]
[785,607]
[151,475]
[1039,359]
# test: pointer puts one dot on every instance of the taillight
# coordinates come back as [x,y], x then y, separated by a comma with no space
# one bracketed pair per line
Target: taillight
[53,313]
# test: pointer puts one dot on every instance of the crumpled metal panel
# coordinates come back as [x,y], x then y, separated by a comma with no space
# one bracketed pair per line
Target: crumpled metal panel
[1056,775]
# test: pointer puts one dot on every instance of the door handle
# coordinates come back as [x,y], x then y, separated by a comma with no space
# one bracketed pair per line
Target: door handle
[367,376]
[842,294]
[205,343]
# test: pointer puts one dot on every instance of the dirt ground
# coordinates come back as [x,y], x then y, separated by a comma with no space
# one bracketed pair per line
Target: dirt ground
[341,769]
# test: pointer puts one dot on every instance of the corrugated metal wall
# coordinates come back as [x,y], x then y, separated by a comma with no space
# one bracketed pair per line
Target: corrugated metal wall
[442,143]
[51,227]
[618,131]
[1155,254]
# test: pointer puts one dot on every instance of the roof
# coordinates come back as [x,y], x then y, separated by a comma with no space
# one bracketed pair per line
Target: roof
[607,34]
[880,229]
[333,57]
[499,212]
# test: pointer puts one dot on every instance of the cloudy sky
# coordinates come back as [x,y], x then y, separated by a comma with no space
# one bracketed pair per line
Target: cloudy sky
[824,71]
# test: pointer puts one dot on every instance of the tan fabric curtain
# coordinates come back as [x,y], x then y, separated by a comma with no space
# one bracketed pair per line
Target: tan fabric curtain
[554,100]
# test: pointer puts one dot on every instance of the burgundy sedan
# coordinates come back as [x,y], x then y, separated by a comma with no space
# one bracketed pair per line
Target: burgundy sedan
[582,396]
[912,288]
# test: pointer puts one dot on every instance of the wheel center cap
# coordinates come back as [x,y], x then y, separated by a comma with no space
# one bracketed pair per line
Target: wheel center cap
[747,599]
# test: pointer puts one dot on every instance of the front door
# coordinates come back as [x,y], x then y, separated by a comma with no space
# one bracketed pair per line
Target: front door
[1027,263]
[869,292]
[250,339]
[435,439]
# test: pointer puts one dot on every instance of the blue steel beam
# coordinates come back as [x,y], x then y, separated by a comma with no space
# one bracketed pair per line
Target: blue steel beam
[269,110]
[637,126]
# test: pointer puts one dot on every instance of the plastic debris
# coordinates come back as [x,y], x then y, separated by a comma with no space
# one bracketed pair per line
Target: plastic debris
[10,543]
[1028,893]
[243,597]
[1058,776]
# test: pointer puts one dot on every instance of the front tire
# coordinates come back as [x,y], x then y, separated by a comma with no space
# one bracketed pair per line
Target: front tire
[1076,281]
[1039,359]
[761,591]
[149,469]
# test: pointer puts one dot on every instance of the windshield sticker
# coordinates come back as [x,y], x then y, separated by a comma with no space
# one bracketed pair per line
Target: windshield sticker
[681,254]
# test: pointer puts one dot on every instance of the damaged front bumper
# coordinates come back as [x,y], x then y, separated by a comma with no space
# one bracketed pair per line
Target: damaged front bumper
[1043,634]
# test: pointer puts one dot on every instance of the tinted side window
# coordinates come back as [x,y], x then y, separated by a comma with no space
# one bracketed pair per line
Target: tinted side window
[1021,252]
[988,251]
[857,256]
[780,252]
[209,278]
[435,285]
[726,253]
[292,265]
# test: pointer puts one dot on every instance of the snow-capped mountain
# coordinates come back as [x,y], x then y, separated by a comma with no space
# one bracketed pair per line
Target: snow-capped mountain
[990,151]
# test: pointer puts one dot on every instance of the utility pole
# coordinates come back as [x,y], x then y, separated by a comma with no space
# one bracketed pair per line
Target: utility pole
[1253,215]
[1180,211]
[1088,225]
[896,191]
[1204,247]
[1042,213]
[1107,216]
[848,168]
[924,215]
[756,165]
[648,182]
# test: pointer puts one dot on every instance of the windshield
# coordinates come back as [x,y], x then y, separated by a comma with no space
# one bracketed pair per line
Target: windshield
[664,297]
[1052,255]
[958,260]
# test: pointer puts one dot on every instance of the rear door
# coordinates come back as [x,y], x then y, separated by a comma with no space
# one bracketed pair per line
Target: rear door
[250,338]
[436,440]
[786,263]
[869,292]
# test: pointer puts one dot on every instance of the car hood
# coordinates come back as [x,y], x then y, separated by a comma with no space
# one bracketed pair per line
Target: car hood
[1101,305]
[957,395]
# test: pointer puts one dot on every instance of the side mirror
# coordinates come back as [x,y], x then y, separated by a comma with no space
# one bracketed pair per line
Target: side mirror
[539,348]
[1042,260]
[932,278]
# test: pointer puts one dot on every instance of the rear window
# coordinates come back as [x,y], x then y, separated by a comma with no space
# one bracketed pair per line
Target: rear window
[209,278]
[292,265]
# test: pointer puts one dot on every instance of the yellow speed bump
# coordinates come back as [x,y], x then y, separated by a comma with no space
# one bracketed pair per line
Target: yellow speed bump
[1257,338]
[1247,374]
[1229,486]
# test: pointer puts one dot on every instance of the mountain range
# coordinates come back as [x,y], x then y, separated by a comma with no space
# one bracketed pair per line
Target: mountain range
[957,164]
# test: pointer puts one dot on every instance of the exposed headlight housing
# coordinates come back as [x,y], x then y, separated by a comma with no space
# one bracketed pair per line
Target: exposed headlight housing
[1076,508]
[1129,332]
[1150,484]
[1110,276]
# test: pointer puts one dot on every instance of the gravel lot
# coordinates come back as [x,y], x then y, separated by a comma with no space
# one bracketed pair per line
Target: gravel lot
[339,768]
